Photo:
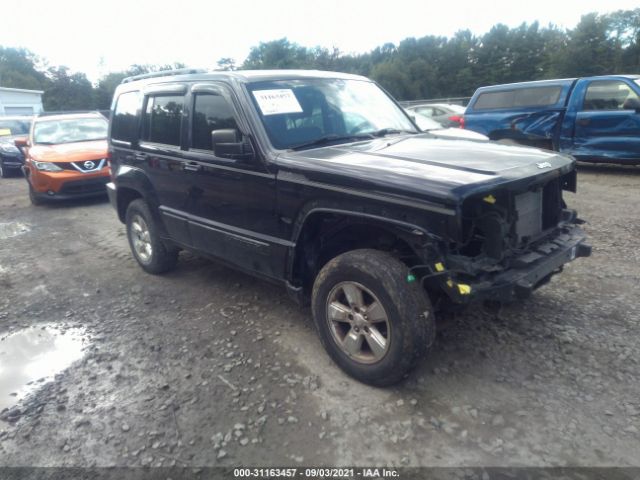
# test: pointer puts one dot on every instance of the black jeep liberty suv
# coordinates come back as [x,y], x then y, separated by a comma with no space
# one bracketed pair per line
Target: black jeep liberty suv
[321,182]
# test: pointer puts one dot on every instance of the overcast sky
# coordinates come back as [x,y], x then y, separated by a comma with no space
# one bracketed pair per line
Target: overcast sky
[96,37]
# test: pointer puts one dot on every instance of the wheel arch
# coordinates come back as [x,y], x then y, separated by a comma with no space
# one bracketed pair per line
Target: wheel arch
[131,184]
[126,195]
[325,232]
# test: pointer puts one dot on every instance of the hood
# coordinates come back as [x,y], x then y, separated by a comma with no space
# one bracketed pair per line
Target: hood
[69,152]
[425,167]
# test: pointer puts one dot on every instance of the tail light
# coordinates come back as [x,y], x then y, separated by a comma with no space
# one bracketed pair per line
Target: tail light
[459,119]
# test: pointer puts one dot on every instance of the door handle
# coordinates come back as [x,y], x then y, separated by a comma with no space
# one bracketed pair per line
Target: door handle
[583,121]
[192,167]
[140,156]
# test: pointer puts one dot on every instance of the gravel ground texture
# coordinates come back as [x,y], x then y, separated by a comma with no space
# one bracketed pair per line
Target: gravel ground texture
[206,366]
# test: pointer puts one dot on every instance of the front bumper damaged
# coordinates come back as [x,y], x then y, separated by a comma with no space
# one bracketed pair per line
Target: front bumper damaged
[521,274]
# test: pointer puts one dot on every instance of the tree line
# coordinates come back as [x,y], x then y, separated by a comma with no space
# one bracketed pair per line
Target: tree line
[425,67]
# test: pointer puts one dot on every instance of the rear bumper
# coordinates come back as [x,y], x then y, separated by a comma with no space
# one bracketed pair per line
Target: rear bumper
[526,272]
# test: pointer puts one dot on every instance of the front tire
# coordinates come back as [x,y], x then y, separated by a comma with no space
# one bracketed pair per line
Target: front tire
[33,196]
[372,322]
[4,172]
[146,245]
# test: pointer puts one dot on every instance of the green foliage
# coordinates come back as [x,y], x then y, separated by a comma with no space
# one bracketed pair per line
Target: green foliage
[431,66]
[590,50]
[282,54]
[103,91]
[226,64]
[426,67]
[277,54]
[67,92]
[393,78]
[19,69]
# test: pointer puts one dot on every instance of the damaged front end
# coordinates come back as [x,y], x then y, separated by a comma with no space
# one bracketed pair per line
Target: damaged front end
[513,241]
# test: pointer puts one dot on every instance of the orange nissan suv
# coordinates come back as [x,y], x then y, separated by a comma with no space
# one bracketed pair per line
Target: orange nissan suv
[66,156]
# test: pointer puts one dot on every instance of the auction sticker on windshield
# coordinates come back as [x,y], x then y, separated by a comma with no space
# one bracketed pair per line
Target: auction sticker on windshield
[274,102]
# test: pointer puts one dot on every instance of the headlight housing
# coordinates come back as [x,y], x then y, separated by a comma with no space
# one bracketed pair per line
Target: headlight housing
[47,166]
[8,148]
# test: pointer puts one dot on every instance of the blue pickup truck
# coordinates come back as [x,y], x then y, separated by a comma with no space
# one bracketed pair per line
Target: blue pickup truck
[595,119]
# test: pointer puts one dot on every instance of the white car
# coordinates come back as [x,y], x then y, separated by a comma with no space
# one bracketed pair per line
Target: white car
[429,125]
[446,114]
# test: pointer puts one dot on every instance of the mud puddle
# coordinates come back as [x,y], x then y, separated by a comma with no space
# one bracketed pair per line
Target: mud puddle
[31,357]
[13,229]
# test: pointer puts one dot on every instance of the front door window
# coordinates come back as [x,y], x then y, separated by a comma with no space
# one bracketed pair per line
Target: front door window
[609,95]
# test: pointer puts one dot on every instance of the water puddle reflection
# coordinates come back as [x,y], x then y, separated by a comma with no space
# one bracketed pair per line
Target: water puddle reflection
[12,229]
[33,356]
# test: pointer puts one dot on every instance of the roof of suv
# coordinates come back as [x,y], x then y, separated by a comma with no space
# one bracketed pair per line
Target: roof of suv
[245,76]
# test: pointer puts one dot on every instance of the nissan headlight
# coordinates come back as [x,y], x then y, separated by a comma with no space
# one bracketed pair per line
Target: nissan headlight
[47,166]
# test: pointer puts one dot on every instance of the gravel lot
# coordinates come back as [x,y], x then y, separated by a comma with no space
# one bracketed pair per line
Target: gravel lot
[208,366]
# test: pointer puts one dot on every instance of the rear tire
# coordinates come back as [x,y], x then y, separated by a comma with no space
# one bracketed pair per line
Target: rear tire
[146,245]
[4,172]
[378,335]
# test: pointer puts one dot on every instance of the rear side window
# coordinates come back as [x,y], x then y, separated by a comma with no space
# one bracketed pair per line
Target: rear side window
[210,112]
[125,125]
[608,95]
[517,98]
[428,111]
[162,119]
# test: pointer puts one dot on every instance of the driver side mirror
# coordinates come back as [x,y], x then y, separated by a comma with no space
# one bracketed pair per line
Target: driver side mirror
[229,143]
[21,142]
[632,104]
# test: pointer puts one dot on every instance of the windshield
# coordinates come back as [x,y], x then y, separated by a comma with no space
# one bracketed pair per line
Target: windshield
[14,127]
[51,132]
[310,112]
[425,123]
[638,81]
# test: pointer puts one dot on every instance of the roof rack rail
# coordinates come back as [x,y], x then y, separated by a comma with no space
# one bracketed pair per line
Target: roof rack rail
[63,112]
[164,73]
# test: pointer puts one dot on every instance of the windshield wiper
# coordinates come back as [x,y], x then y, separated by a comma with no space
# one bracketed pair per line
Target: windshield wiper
[332,138]
[86,140]
[390,131]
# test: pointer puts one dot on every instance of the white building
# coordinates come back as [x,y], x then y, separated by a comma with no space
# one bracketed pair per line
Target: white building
[16,101]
